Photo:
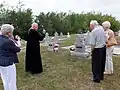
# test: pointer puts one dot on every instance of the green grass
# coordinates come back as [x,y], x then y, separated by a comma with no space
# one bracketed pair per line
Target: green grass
[69,41]
[23,43]
[64,72]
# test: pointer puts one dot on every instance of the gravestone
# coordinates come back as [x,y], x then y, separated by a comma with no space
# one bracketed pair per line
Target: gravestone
[61,38]
[47,38]
[80,48]
[61,35]
[56,38]
[79,44]
[68,35]
[0,31]
[119,33]
[51,44]
[87,38]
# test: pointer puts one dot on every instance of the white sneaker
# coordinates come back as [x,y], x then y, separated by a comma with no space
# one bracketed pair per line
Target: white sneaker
[107,73]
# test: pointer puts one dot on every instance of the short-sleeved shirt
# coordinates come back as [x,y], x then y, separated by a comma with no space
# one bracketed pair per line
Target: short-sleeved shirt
[98,37]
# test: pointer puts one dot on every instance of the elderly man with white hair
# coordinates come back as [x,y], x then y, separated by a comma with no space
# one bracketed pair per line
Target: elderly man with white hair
[109,51]
[98,46]
[33,63]
[8,57]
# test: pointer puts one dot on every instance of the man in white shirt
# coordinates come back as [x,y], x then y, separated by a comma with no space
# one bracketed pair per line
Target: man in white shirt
[98,47]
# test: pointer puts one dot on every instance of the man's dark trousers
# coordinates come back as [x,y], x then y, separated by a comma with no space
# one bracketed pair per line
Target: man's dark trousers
[98,63]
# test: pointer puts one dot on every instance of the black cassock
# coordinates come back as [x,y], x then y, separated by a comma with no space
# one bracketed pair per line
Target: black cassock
[33,61]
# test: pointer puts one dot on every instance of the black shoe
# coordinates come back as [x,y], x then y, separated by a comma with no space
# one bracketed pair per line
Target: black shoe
[96,81]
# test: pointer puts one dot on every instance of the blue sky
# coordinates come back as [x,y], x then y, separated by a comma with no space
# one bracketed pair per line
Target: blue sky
[104,6]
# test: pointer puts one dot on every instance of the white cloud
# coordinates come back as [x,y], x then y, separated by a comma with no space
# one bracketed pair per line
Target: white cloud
[105,6]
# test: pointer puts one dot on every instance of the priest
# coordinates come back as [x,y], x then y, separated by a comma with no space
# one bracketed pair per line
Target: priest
[33,61]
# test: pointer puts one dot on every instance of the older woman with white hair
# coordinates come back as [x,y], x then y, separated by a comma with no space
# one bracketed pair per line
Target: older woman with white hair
[8,57]
[109,51]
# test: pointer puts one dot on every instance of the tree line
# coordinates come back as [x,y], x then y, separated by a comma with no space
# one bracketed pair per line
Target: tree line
[53,21]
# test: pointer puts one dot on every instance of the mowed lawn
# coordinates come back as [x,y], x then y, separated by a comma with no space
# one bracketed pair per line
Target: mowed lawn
[64,72]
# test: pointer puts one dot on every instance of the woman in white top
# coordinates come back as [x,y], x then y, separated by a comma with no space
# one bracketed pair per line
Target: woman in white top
[109,51]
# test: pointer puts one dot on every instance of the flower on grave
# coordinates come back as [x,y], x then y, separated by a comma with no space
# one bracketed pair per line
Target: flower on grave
[72,49]
[56,45]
